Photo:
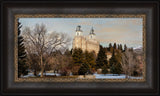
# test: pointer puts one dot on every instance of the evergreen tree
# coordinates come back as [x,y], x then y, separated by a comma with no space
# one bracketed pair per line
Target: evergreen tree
[120,47]
[71,51]
[113,69]
[111,49]
[101,59]
[118,68]
[78,57]
[89,59]
[110,45]
[106,50]
[119,59]
[115,63]
[22,66]
[118,64]
[78,60]
[115,46]
[83,69]
[125,47]
[105,69]
[113,59]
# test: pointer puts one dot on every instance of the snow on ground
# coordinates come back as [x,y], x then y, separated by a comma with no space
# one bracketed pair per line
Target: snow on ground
[50,74]
[109,76]
[115,76]
[47,74]
[97,76]
[29,75]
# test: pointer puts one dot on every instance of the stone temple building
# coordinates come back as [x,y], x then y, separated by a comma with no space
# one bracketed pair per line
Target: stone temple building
[85,43]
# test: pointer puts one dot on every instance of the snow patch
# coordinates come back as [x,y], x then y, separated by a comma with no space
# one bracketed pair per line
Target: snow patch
[47,74]
[50,74]
[29,75]
[115,76]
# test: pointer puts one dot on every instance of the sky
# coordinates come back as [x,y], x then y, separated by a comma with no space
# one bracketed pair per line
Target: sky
[108,30]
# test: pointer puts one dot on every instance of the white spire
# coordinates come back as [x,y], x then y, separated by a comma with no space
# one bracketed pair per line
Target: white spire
[92,34]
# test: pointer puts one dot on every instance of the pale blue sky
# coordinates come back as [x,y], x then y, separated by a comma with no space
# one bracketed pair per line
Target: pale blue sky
[108,30]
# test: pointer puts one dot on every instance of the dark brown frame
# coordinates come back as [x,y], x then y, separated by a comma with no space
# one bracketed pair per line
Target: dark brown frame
[10,8]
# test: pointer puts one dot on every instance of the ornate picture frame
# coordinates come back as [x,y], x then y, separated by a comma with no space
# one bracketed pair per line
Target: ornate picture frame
[13,10]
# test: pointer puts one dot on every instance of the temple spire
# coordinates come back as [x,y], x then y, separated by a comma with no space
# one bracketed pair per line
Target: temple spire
[92,34]
[78,28]
[78,31]
[92,31]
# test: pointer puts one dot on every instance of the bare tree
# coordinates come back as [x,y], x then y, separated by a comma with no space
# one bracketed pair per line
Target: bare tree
[128,62]
[42,43]
[62,63]
[32,62]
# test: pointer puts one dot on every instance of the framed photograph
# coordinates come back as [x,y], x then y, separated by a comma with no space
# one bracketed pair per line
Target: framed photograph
[80,48]
[68,56]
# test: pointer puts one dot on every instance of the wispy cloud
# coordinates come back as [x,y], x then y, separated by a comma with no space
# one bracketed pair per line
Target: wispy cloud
[108,30]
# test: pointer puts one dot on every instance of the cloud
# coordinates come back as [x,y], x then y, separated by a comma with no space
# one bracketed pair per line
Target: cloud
[120,30]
